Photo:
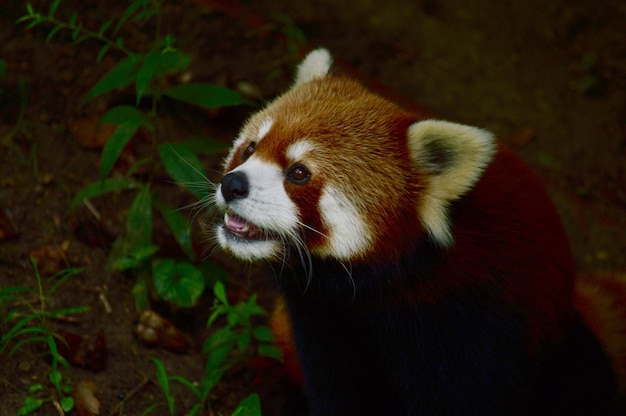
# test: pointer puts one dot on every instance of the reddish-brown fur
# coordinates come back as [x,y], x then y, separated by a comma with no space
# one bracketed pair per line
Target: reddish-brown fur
[461,261]
[356,133]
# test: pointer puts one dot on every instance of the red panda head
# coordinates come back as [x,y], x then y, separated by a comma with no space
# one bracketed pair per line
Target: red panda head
[332,170]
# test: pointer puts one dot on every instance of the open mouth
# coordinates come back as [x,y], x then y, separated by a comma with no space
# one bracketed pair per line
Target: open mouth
[241,228]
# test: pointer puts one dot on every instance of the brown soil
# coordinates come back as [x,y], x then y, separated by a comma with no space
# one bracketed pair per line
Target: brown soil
[548,77]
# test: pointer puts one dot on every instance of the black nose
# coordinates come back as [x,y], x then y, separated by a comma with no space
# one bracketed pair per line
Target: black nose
[234,186]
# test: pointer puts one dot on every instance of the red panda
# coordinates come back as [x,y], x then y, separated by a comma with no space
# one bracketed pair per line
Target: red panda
[423,268]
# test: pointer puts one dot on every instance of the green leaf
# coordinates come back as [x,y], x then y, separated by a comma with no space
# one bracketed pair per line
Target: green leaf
[146,72]
[211,377]
[53,32]
[186,169]
[76,32]
[120,76]
[271,351]
[35,22]
[55,378]
[195,409]
[69,311]
[188,384]
[34,388]
[141,294]
[136,257]
[18,329]
[129,120]
[73,17]
[243,341]
[31,340]
[126,263]
[217,356]
[114,146]
[165,384]
[103,51]
[180,228]
[263,333]
[54,353]
[104,27]
[172,60]
[161,375]
[145,252]
[250,406]
[204,145]
[124,114]
[220,292]
[130,10]
[144,14]
[220,337]
[217,311]
[7,292]
[178,282]
[157,63]
[205,95]
[139,221]
[67,403]
[102,187]
[30,405]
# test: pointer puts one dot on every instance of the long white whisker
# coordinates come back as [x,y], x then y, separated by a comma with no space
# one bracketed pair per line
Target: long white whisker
[189,164]
[301,224]
[352,282]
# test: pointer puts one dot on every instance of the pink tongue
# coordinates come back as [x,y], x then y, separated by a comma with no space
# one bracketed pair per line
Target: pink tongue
[241,227]
[235,223]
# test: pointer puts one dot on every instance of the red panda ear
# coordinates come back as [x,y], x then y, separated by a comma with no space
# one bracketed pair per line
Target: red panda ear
[452,157]
[316,65]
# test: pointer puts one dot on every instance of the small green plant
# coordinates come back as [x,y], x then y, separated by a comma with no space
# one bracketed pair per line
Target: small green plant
[27,324]
[179,282]
[235,342]
[249,406]
[37,395]
[176,281]
[230,344]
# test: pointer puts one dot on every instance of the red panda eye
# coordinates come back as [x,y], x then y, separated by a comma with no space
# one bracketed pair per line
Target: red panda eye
[247,152]
[298,174]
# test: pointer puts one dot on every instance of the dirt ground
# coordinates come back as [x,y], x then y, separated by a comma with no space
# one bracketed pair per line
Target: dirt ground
[549,78]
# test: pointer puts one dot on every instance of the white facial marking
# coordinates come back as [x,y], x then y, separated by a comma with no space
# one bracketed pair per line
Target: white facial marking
[231,154]
[266,126]
[348,233]
[267,206]
[247,250]
[298,150]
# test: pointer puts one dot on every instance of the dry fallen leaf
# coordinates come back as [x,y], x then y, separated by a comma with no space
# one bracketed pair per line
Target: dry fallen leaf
[51,258]
[8,229]
[154,330]
[88,352]
[85,400]
[90,132]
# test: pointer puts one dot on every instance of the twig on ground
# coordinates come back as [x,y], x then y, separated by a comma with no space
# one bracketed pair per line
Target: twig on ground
[120,406]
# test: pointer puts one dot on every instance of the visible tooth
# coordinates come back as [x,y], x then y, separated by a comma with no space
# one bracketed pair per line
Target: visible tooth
[245,229]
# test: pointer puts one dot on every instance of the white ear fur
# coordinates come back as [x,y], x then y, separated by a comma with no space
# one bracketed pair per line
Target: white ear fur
[316,65]
[453,157]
